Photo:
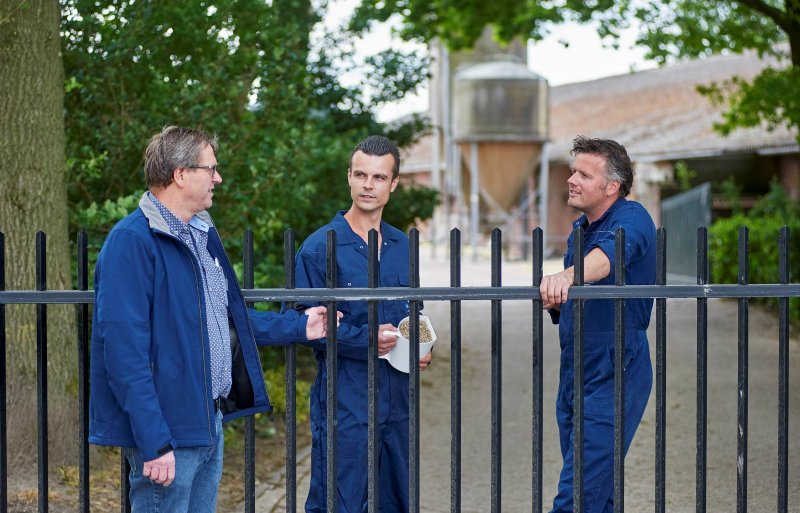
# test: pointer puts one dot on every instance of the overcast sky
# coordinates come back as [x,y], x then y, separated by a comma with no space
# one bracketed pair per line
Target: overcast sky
[584,59]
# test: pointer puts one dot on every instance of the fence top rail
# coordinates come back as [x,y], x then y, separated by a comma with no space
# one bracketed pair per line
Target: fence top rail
[508,293]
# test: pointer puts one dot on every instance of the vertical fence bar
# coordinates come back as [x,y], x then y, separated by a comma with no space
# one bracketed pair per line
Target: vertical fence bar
[577,415]
[702,372]
[3,380]
[124,486]
[783,375]
[497,374]
[41,369]
[290,353]
[373,273]
[331,393]
[661,374]
[455,374]
[248,262]
[413,376]
[742,396]
[619,376]
[83,374]
[538,374]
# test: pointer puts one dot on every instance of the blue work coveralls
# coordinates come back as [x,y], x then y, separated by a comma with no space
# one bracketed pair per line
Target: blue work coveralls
[640,267]
[352,344]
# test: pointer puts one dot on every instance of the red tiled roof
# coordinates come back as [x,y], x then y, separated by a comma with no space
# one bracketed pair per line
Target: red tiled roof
[658,114]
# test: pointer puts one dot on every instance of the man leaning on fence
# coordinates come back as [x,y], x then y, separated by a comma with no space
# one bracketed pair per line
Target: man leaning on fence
[600,181]
[373,175]
[173,343]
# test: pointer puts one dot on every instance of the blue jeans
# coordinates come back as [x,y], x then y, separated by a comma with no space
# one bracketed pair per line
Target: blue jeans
[194,490]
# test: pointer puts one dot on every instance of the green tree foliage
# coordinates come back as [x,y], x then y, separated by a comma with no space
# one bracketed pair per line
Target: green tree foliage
[246,70]
[670,29]
[764,221]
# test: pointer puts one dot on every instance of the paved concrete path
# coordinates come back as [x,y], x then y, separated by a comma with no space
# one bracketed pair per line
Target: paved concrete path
[517,409]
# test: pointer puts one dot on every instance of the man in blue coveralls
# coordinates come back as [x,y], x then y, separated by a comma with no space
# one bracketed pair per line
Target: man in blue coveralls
[373,175]
[601,179]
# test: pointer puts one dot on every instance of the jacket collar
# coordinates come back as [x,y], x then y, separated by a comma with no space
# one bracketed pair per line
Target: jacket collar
[346,235]
[157,221]
[584,222]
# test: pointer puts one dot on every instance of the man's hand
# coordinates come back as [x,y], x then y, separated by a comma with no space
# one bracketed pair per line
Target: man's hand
[554,288]
[386,342]
[425,361]
[161,470]
[317,325]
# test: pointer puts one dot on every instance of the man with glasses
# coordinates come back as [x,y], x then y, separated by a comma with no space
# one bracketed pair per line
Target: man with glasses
[173,343]
[373,174]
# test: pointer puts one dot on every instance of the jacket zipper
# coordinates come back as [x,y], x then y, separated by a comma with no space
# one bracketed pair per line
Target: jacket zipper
[202,348]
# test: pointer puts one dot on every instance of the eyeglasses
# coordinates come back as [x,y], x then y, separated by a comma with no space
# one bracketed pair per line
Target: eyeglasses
[211,169]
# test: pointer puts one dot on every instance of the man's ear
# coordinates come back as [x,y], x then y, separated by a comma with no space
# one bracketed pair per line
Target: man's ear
[612,187]
[178,176]
[395,182]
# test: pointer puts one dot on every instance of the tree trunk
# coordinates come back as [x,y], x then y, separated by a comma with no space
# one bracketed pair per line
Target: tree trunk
[33,196]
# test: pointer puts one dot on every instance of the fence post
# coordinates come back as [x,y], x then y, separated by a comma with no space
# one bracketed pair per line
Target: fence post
[3,379]
[537,373]
[619,375]
[413,375]
[332,395]
[41,369]
[742,396]
[497,375]
[783,375]
[291,382]
[455,374]
[83,373]
[577,415]
[249,421]
[373,273]
[702,372]
[661,374]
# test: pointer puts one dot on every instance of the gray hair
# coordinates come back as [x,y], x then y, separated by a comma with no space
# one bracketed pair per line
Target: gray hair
[618,163]
[172,148]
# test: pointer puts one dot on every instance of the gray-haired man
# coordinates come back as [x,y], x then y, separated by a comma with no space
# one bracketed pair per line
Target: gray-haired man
[173,343]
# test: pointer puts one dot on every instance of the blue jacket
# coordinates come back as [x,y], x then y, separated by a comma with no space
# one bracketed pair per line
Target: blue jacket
[352,337]
[150,370]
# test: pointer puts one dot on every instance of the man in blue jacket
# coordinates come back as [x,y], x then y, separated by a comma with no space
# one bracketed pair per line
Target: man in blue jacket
[601,179]
[373,175]
[173,343]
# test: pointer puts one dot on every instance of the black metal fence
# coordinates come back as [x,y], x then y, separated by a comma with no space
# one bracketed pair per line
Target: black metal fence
[455,294]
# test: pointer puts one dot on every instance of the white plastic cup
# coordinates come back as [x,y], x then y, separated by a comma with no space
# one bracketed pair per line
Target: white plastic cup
[398,356]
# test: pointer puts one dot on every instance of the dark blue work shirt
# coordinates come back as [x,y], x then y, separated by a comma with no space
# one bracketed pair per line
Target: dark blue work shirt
[640,269]
[352,336]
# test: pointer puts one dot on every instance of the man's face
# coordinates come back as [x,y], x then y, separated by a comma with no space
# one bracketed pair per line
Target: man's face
[200,183]
[589,189]
[370,180]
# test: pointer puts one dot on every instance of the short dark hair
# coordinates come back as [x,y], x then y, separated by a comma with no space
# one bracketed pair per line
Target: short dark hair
[172,148]
[378,146]
[618,163]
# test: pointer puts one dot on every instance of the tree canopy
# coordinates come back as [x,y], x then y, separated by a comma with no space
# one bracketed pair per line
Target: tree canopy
[247,70]
[669,30]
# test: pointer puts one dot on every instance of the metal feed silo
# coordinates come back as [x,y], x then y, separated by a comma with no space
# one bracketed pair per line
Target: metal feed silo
[500,124]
